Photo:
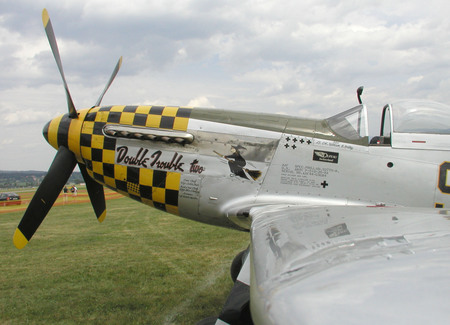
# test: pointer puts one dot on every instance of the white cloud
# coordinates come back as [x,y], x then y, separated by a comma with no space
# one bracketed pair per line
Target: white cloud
[414,79]
[4,142]
[201,101]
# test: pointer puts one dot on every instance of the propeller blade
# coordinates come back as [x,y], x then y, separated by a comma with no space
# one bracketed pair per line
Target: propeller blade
[96,194]
[113,75]
[52,40]
[57,176]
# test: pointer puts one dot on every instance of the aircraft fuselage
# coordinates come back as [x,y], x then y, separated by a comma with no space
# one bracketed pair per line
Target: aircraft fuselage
[211,166]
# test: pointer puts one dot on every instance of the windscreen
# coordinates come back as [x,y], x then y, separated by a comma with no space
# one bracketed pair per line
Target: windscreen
[351,124]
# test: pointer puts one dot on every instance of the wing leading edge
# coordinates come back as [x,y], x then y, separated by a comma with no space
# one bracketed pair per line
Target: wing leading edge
[349,265]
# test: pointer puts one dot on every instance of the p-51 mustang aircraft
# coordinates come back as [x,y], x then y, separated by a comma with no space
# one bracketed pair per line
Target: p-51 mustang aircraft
[343,229]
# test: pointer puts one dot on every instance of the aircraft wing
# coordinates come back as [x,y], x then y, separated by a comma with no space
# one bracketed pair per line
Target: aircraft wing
[349,265]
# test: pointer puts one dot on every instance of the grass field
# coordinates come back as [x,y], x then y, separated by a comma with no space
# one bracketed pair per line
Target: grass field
[140,266]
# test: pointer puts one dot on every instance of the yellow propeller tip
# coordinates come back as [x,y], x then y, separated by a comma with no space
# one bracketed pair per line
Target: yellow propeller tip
[102,217]
[45,17]
[19,239]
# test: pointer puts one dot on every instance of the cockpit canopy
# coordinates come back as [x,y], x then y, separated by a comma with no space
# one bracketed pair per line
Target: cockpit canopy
[405,124]
[415,125]
[421,117]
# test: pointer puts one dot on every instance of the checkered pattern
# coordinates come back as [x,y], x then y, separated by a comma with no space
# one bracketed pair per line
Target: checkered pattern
[153,187]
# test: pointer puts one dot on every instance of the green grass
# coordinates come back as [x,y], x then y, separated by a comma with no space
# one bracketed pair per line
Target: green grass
[140,266]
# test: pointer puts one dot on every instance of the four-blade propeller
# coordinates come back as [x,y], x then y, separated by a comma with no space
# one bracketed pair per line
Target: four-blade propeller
[62,165]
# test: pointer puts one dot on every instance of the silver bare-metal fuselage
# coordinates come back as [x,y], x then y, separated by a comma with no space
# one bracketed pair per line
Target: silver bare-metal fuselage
[212,166]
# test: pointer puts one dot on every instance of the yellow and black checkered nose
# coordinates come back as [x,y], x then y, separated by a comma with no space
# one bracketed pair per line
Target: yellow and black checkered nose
[157,188]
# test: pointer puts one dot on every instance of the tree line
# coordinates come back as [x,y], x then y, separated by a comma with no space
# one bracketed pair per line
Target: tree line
[30,178]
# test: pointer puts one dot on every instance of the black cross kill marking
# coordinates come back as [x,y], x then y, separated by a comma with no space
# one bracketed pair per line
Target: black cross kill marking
[324,184]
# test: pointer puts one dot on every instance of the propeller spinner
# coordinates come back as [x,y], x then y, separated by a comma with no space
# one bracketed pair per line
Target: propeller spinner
[57,134]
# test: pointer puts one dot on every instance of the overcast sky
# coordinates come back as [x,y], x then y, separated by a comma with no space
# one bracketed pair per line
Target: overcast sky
[303,58]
